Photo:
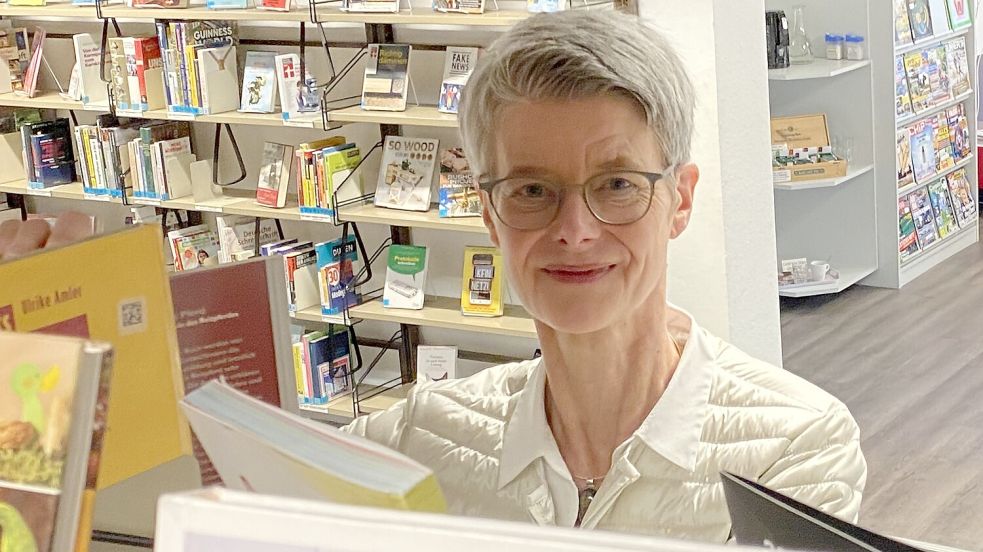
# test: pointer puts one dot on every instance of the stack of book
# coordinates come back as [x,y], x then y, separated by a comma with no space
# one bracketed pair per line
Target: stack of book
[102,155]
[322,365]
[322,167]
[48,156]
[149,157]
[199,66]
[136,74]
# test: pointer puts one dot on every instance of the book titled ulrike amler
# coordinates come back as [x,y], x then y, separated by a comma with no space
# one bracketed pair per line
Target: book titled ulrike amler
[406,276]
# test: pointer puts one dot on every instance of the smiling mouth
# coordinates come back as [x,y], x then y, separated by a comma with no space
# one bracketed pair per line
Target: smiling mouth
[576,274]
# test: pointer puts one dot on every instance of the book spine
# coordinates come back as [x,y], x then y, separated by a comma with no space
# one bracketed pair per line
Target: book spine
[319,195]
[161,27]
[290,267]
[180,29]
[83,169]
[131,77]
[206,104]
[301,177]
[97,165]
[190,48]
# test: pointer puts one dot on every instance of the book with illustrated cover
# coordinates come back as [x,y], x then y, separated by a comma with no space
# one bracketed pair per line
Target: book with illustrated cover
[274,175]
[902,28]
[15,50]
[335,274]
[457,190]
[905,172]
[943,145]
[945,217]
[922,149]
[924,215]
[459,63]
[196,250]
[259,83]
[49,158]
[957,66]
[34,65]
[237,234]
[908,240]
[125,301]
[295,98]
[406,277]
[963,200]
[386,80]
[938,75]
[962,143]
[119,87]
[483,282]
[406,174]
[145,74]
[275,5]
[919,87]
[459,6]
[902,100]
[920,20]
[49,392]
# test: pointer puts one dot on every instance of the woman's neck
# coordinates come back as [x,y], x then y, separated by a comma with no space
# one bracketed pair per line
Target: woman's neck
[601,386]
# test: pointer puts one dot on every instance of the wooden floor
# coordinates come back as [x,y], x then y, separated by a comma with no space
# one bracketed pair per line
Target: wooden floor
[909,364]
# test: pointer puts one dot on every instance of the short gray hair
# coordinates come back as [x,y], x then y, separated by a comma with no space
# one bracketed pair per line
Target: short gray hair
[579,54]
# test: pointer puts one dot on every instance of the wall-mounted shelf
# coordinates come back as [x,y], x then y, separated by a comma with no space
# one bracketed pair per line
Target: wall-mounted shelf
[818,69]
[415,115]
[423,16]
[851,174]
[64,191]
[445,312]
[914,186]
[928,42]
[413,219]
[935,109]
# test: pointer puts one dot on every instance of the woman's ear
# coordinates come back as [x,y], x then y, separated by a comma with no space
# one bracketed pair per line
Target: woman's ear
[488,217]
[686,178]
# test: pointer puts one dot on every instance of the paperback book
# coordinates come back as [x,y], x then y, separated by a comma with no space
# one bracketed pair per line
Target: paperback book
[48,154]
[406,276]
[259,83]
[294,98]
[218,73]
[483,281]
[908,240]
[963,200]
[406,174]
[34,65]
[921,211]
[386,80]
[336,275]
[459,63]
[945,218]
[458,194]
[906,175]
[435,363]
[88,59]
[237,235]
[274,175]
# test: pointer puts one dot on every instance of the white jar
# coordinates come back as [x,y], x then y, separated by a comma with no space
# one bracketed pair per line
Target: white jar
[855,47]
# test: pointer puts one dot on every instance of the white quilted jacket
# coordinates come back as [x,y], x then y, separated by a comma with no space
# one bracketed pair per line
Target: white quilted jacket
[761,422]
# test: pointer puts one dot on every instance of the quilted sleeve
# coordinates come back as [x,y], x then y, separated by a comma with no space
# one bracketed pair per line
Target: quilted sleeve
[823,466]
[385,427]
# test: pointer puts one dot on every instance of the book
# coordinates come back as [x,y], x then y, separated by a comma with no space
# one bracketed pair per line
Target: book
[458,194]
[310,173]
[336,275]
[945,218]
[34,65]
[406,173]
[275,5]
[459,6]
[920,20]
[940,16]
[370,6]
[907,238]
[906,175]
[960,14]
[145,74]
[435,363]
[459,63]
[962,143]
[49,394]
[259,83]
[957,66]
[919,87]
[300,271]
[483,282]
[196,250]
[924,216]
[237,234]
[294,98]
[943,145]
[902,28]
[197,35]
[88,58]
[328,361]
[181,235]
[406,277]
[228,4]
[963,200]
[218,75]
[261,448]
[938,75]
[123,300]
[385,82]
[240,336]
[157,3]
[921,134]
[274,175]
[119,88]
[902,100]
[16,51]
[48,154]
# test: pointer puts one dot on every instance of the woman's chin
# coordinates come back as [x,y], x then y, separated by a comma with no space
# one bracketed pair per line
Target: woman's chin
[574,318]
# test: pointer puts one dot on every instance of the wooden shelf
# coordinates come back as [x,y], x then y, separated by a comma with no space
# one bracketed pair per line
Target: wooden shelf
[414,219]
[42,100]
[818,69]
[64,191]
[445,312]
[848,277]
[415,115]
[423,16]
[825,183]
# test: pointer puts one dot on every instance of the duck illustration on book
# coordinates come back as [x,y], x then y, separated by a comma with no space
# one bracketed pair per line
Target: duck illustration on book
[15,535]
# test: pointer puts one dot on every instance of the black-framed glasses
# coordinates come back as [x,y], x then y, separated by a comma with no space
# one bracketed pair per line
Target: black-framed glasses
[532,203]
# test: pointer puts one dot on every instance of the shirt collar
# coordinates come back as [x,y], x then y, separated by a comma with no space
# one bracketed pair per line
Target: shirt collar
[672,429]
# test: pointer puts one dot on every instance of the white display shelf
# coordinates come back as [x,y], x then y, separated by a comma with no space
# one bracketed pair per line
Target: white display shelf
[414,219]
[445,312]
[313,314]
[960,165]
[415,115]
[819,69]
[825,183]
[935,109]
[944,248]
[341,407]
[424,16]
[64,191]
[930,41]
[848,277]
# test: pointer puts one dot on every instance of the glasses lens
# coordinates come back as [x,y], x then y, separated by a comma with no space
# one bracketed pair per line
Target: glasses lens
[619,197]
[525,203]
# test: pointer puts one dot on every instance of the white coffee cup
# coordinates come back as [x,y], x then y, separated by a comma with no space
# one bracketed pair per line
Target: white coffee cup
[818,270]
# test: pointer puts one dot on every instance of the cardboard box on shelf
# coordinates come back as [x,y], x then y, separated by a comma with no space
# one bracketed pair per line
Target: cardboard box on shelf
[804,132]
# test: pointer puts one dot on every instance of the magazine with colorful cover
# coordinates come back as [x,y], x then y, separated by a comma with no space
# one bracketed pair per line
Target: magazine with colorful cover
[902,100]
[406,173]
[902,28]
[945,218]
[459,63]
[943,145]
[406,277]
[924,215]
[919,87]
[957,66]
[908,240]
[920,19]
[962,143]
[963,201]
[922,149]
[905,172]
[938,75]
[457,191]
[386,81]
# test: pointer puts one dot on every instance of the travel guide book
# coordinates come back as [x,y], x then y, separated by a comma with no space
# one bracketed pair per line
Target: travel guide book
[406,173]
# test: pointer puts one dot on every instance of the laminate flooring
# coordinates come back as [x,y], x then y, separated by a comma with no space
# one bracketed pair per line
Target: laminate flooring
[909,365]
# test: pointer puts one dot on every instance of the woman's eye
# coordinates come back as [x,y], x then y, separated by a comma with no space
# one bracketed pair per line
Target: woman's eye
[532,191]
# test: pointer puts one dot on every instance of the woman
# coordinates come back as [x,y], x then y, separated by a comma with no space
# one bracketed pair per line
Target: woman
[579,127]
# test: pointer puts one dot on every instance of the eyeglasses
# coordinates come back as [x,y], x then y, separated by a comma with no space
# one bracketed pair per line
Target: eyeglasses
[617,197]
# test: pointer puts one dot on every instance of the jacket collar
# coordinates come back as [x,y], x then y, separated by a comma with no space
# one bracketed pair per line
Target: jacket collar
[672,429]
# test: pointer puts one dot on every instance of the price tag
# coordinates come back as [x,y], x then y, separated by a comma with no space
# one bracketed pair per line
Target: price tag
[146,201]
[177,116]
[208,208]
[96,197]
[39,192]
[315,218]
[781,176]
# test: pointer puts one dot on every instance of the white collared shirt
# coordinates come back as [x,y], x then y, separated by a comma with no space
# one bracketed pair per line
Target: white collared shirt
[672,428]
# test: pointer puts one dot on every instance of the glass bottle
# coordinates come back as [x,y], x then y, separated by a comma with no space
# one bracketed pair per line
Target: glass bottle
[799,49]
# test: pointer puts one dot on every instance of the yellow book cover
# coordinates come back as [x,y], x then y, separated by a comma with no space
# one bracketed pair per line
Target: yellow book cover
[482,282]
[113,288]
